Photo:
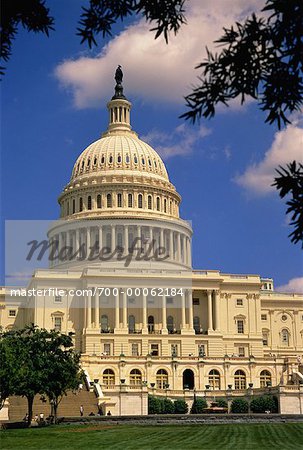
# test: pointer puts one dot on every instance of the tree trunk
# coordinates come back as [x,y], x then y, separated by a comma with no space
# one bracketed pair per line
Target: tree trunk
[55,410]
[30,401]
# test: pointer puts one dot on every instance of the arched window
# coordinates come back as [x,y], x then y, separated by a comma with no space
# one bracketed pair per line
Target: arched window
[265,378]
[98,201]
[240,379]
[135,377]
[161,379]
[110,160]
[158,203]
[109,200]
[151,324]
[89,202]
[170,324]
[119,200]
[131,323]
[197,324]
[67,208]
[135,159]
[74,206]
[108,377]
[130,200]
[127,159]
[103,159]
[149,202]
[104,323]
[80,204]
[119,159]
[285,337]
[214,379]
[165,205]
[140,201]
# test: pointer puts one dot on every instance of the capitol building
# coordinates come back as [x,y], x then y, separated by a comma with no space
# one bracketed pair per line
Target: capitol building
[120,278]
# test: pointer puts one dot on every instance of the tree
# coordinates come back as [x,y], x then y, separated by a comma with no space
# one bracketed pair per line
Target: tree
[239,406]
[264,403]
[290,182]
[7,370]
[181,407]
[199,404]
[37,356]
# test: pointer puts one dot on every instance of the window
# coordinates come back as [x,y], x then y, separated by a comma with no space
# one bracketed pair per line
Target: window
[106,348]
[284,317]
[127,159]
[150,323]
[165,205]
[110,160]
[109,200]
[102,159]
[119,159]
[130,200]
[201,350]
[74,206]
[80,204]
[58,299]
[169,300]
[197,324]
[135,349]
[89,202]
[174,350]
[131,324]
[135,159]
[154,349]
[98,201]
[119,200]
[140,201]
[12,313]
[263,316]
[265,338]
[57,323]
[241,352]
[196,301]
[285,337]
[265,378]
[149,202]
[158,203]
[170,324]
[239,302]
[108,377]
[214,379]
[240,326]
[162,379]
[104,323]
[240,380]
[135,377]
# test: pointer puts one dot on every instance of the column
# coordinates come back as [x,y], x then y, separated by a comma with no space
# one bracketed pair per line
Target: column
[87,242]
[183,312]
[100,237]
[117,324]
[162,238]
[139,240]
[97,311]
[210,312]
[179,247]
[126,244]
[144,314]
[77,242]
[217,310]
[124,319]
[171,244]
[190,310]
[89,310]
[164,325]
[113,238]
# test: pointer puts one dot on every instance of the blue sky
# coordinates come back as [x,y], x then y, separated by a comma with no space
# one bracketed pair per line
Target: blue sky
[54,98]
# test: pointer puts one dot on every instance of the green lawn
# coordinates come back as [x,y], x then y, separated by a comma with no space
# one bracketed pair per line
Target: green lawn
[167,437]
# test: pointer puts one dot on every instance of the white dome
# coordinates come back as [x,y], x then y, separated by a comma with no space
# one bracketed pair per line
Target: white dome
[120,154]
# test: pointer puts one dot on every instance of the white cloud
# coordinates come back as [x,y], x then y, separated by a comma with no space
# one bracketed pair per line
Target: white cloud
[294,285]
[180,141]
[286,147]
[153,70]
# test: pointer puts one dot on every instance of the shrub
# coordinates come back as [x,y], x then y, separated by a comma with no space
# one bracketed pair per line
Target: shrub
[239,405]
[222,403]
[264,403]
[168,406]
[181,406]
[154,405]
[198,406]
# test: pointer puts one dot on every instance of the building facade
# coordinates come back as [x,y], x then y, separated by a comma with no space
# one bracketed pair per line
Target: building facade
[121,279]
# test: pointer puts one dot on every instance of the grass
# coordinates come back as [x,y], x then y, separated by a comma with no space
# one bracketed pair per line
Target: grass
[162,437]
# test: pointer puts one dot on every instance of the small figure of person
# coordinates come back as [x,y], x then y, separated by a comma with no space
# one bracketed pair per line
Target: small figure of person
[81,410]
[41,417]
[36,418]
[80,387]
[25,418]
[109,413]
[91,414]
